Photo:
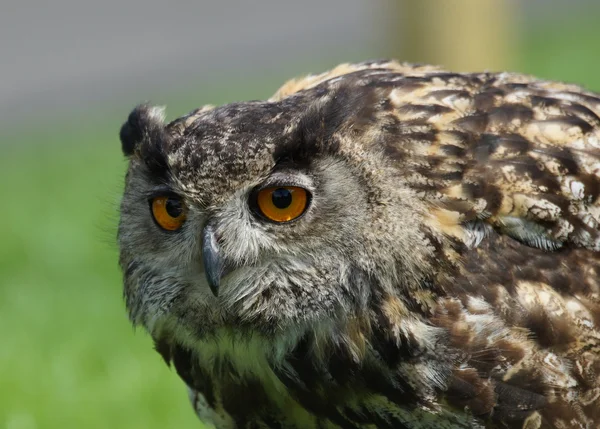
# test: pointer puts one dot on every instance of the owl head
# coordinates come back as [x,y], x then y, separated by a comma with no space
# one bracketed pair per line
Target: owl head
[273,216]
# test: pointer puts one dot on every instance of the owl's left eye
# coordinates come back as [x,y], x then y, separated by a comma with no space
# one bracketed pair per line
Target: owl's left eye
[282,203]
[168,212]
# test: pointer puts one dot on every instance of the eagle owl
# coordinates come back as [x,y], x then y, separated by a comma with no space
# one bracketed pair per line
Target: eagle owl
[383,245]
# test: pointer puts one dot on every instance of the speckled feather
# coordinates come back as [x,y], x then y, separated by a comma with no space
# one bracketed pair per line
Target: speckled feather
[449,281]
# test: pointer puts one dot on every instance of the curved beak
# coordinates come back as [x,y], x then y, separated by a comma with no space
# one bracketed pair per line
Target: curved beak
[213,262]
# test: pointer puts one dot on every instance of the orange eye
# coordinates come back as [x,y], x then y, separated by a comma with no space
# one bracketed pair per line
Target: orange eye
[282,204]
[169,212]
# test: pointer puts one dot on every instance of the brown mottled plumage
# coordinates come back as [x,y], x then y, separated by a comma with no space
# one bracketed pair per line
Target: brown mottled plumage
[444,274]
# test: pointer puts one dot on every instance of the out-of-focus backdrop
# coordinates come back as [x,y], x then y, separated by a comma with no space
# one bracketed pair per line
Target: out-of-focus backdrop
[71,70]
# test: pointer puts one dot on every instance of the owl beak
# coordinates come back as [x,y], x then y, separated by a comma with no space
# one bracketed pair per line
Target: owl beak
[213,262]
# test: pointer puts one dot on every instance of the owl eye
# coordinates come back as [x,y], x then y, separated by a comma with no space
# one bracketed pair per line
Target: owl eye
[168,212]
[282,203]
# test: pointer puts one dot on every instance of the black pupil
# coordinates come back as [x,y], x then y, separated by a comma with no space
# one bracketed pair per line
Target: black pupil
[173,207]
[282,198]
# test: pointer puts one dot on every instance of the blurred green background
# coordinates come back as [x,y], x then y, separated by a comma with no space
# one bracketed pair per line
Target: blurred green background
[68,355]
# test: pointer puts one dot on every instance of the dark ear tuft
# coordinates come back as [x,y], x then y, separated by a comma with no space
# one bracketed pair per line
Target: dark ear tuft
[143,122]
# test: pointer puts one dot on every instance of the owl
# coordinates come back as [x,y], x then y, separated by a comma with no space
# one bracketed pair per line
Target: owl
[384,245]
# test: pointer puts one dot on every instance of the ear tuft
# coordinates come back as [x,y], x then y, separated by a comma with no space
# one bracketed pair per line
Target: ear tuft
[143,122]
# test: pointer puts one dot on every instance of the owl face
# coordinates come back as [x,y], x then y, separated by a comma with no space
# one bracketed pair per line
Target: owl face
[250,216]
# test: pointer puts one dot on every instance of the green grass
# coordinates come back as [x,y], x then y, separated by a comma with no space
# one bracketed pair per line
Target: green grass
[565,49]
[68,355]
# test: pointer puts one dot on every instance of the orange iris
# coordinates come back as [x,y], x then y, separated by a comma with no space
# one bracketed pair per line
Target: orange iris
[169,212]
[282,203]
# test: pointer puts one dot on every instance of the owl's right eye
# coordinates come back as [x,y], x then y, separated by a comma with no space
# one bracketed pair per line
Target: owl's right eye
[168,212]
